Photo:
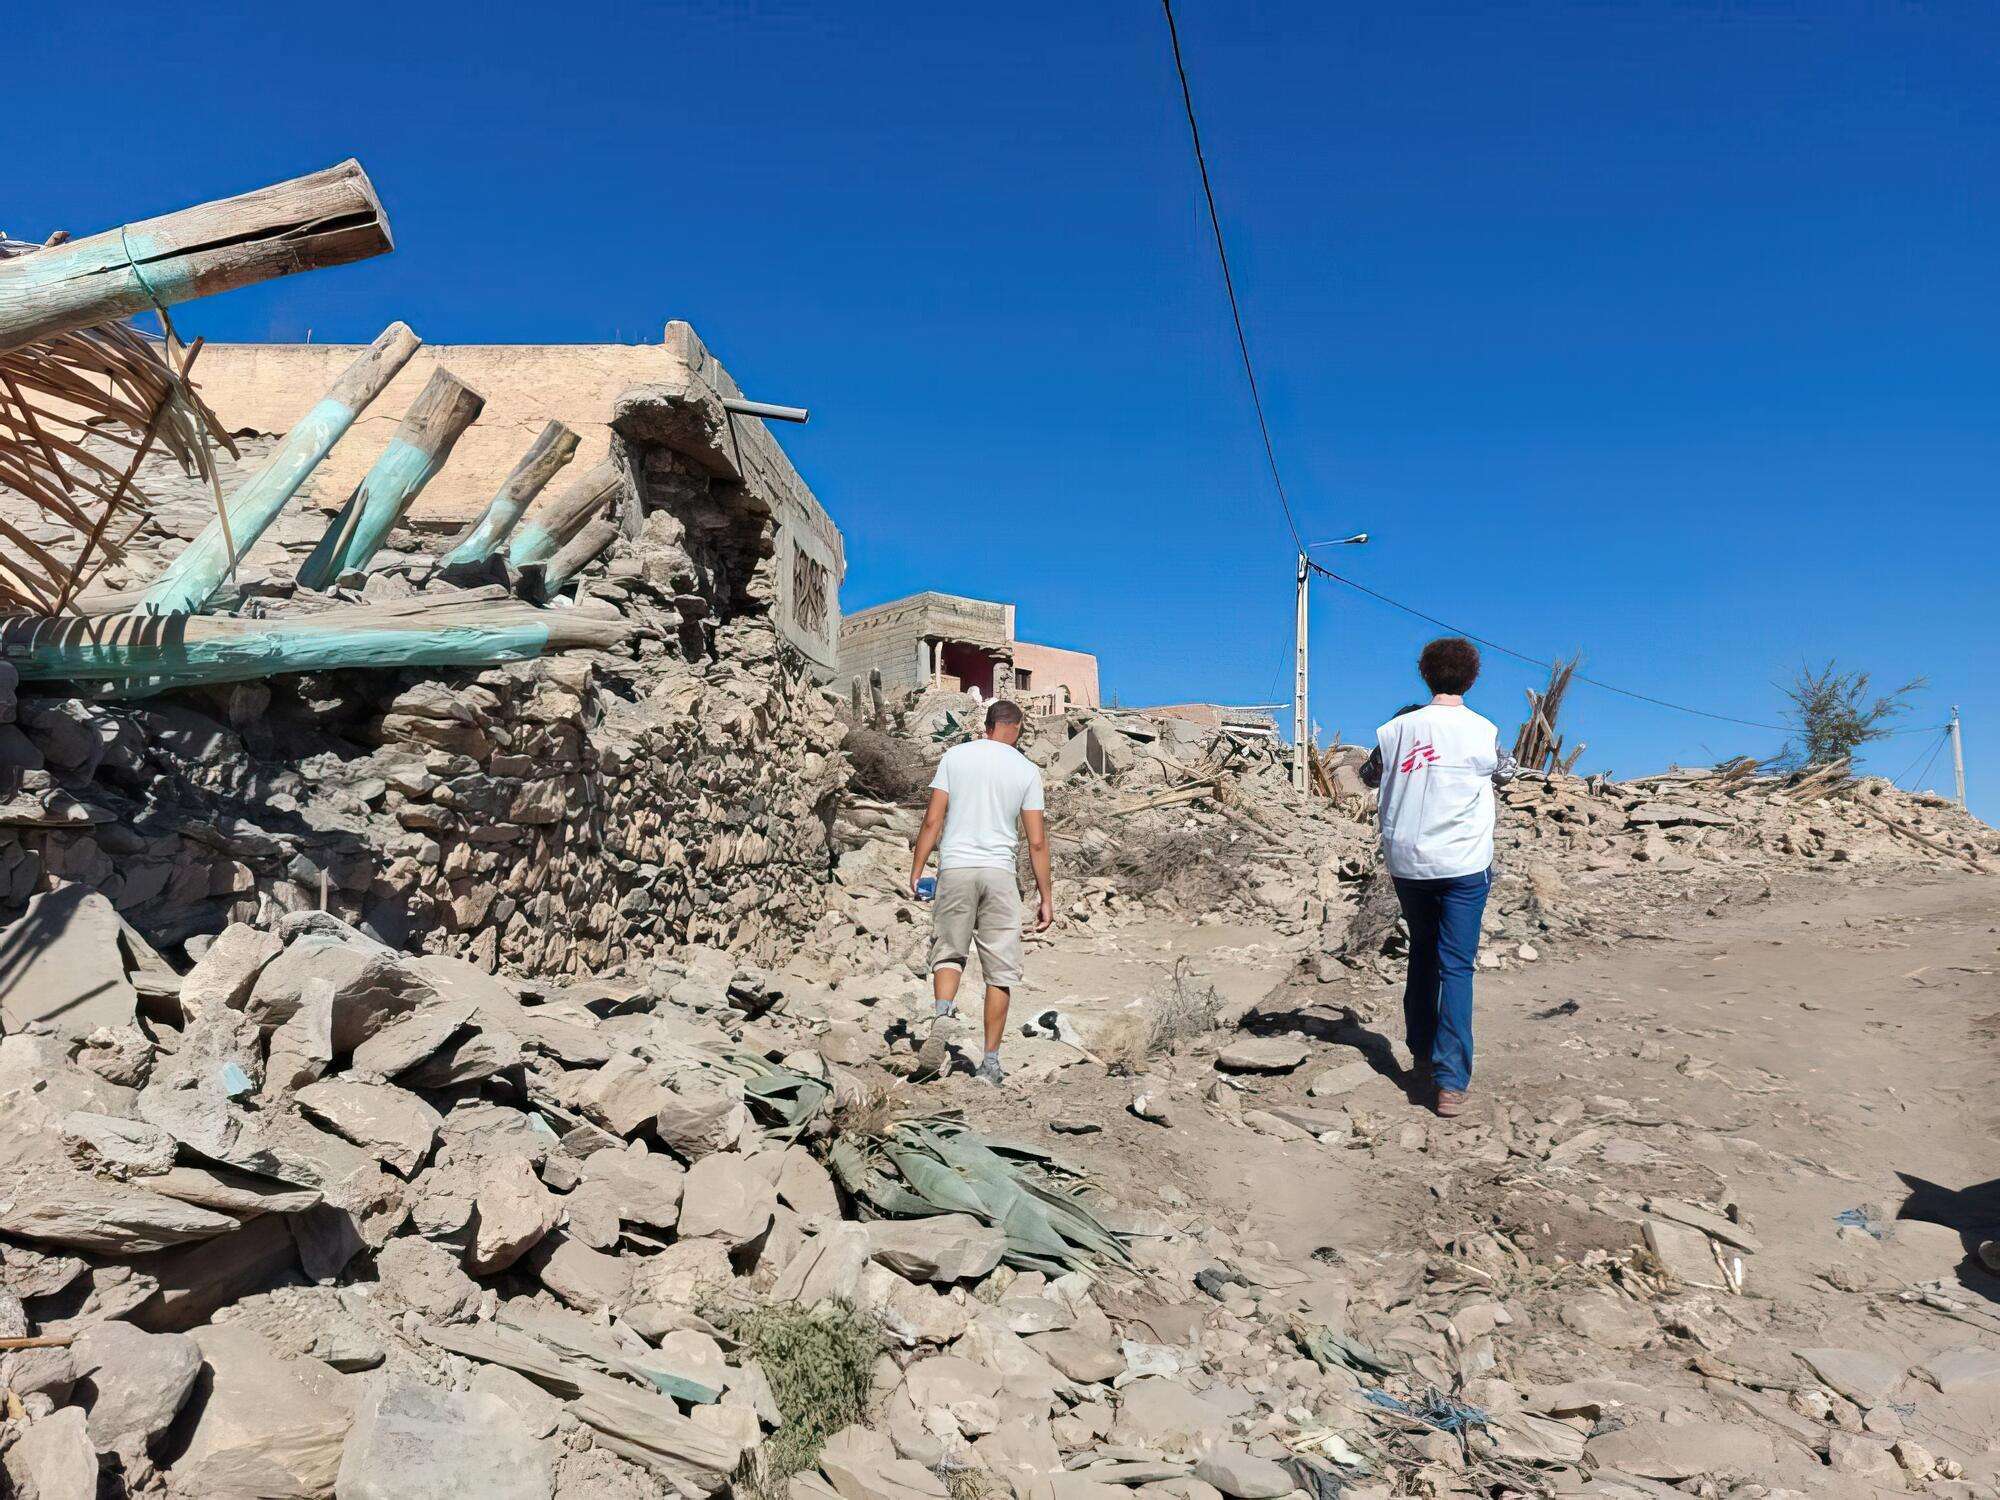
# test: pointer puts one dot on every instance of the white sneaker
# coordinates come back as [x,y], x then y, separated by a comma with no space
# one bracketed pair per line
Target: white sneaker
[989,1072]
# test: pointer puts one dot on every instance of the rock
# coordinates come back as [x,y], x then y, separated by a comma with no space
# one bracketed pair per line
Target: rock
[1673,814]
[1684,1450]
[512,1211]
[1715,1226]
[224,976]
[1163,1415]
[132,1384]
[1346,1078]
[806,1187]
[411,1439]
[538,1410]
[826,1267]
[1080,1356]
[130,1147]
[966,1391]
[1243,1476]
[371,983]
[699,1122]
[947,1247]
[1863,1377]
[1865,1459]
[58,1206]
[263,1424]
[1965,1369]
[392,1124]
[588,1280]
[67,968]
[1610,1320]
[884,1479]
[53,1460]
[1684,1253]
[1262,1054]
[227,1191]
[426,1278]
[645,1187]
[624,1094]
[725,1197]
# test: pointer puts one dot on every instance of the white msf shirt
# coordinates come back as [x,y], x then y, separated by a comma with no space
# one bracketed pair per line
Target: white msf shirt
[1436,808]
[989,786]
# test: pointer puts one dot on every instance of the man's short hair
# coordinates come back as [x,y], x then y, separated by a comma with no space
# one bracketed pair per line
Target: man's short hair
[1002,712]
[1449,664]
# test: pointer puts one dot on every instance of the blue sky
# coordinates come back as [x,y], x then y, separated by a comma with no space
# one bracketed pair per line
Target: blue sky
[1667,331]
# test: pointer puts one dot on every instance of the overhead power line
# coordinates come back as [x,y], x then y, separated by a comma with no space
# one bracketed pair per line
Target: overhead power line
[1536,661]
[1228,279]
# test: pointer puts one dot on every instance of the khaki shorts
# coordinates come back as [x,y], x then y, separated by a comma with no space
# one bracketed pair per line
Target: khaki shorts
[978,908]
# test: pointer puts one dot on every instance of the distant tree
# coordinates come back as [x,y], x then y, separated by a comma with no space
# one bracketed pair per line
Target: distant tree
[1833,714]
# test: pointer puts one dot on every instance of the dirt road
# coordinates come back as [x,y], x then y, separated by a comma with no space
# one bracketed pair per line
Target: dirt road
[1814,1066]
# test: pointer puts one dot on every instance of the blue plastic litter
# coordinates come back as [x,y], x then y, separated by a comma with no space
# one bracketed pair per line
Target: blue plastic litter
[1857,1218]
[1435,1410]
[235,1081]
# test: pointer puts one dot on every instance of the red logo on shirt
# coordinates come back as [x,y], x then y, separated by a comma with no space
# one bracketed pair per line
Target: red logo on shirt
[1417,759]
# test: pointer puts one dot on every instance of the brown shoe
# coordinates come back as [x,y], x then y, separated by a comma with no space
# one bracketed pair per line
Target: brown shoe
[1450,1102]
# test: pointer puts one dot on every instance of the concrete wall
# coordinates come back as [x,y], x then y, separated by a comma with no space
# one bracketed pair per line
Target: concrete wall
[1053,667]
[888,637]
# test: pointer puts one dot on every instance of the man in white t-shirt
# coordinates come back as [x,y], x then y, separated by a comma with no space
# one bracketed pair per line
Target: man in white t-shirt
[985,794]
[1437,765]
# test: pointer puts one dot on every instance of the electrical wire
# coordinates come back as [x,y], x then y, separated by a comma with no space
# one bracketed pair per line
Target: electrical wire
[1547,666]
[1936,750]
[1228,279]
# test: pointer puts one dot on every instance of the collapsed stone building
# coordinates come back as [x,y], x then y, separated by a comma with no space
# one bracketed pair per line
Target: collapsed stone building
[573,812]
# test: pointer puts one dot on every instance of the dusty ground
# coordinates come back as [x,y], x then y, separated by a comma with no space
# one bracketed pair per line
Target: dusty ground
[1788,1055]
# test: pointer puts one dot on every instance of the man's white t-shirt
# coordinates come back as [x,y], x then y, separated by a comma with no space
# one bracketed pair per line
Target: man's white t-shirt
[1436,809]
[989,786]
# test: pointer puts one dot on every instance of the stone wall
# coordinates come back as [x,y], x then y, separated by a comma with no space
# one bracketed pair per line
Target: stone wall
[569,815]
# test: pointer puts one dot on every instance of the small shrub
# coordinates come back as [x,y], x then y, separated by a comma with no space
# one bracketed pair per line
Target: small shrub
[1196,871]
[1834,716]
[820,1362]
[1187,1010]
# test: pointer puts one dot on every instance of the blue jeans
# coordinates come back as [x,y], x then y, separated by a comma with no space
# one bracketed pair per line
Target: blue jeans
[1437,999]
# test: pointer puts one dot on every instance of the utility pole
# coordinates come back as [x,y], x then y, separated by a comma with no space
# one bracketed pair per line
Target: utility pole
[1302,735]
[1957,756]
[1300,773]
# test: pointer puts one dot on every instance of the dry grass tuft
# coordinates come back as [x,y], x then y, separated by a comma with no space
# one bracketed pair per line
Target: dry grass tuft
[873,1112]
[1187,1010]
[1194,870]
[884,768]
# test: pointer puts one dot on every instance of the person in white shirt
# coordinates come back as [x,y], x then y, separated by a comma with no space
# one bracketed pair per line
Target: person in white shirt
[985,794]
[1437,765]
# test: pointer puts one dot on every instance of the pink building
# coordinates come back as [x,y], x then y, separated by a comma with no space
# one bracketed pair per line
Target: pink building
[966,644]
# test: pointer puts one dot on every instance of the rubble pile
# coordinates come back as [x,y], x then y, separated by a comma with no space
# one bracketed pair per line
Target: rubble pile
[1157,815]
[568,814]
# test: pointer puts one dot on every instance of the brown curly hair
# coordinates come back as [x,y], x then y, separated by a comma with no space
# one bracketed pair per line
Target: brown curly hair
[1449,664]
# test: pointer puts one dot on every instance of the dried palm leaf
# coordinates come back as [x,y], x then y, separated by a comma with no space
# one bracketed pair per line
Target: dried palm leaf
[79,413]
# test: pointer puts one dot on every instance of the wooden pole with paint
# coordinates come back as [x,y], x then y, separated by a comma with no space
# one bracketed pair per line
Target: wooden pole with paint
[544,459]
[205,562]
[422,443]
[132,655]
[542,534]
[323,219]
[575,555]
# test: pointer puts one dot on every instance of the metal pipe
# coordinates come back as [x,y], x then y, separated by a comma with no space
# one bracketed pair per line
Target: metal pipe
[764,409]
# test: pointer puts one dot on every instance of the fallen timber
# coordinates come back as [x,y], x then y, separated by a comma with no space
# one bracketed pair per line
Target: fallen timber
[194,576]
[422,442]
[556,522]
[326,218]
[545,457]
[136,654]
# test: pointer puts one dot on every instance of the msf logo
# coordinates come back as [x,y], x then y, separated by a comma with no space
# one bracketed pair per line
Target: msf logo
[1417,759]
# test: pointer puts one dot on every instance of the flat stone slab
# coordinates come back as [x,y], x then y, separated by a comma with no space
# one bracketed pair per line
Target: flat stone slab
[1861,1375]
[1715,1226]
[1966,1369]
[1262,1054]
[1685,1450]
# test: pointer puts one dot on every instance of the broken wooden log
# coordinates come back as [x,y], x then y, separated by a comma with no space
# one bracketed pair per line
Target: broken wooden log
[555,447]
[322,219]
[139,653]
[578,553]
[203,564]
[544,532]
[422,443]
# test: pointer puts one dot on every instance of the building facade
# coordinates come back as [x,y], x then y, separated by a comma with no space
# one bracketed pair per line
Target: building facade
[967,645]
